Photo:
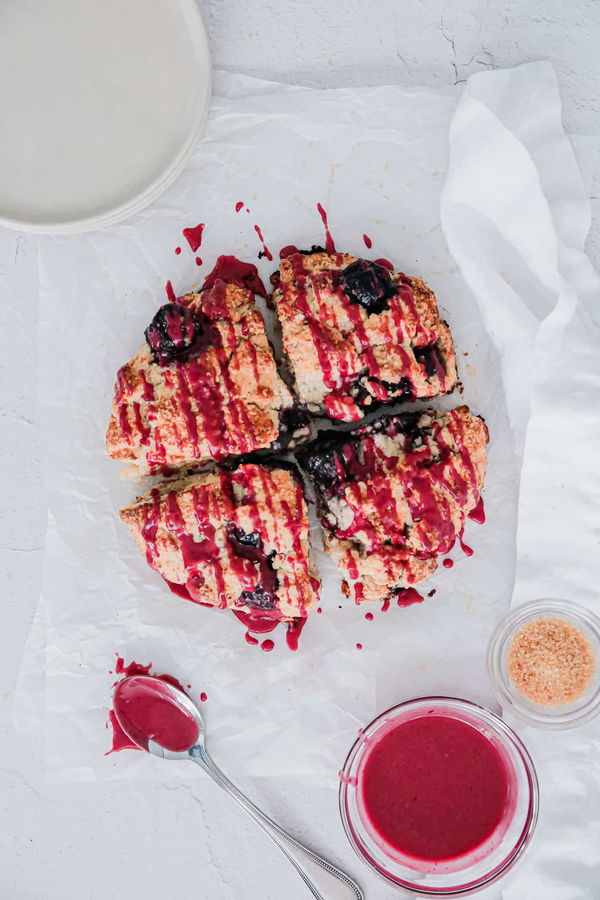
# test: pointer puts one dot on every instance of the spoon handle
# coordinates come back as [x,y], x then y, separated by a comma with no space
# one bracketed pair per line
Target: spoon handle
[342,888]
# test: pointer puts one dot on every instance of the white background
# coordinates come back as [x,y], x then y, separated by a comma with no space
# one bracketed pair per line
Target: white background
[90,841]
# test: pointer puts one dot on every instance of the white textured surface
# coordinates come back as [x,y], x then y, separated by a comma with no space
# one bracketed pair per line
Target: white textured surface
[91,842]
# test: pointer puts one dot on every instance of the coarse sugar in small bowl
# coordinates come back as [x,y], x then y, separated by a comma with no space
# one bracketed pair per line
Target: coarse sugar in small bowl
[543,662]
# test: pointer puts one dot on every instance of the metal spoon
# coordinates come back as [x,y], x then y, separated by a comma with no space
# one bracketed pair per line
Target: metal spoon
[339,885]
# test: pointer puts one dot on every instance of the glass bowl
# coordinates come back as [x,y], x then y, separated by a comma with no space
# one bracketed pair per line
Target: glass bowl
[548,717]
[476,869]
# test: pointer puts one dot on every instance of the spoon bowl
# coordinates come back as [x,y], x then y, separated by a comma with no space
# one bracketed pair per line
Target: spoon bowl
[170,694]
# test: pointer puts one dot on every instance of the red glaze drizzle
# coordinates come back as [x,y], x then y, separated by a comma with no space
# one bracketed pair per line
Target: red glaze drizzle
[468,551]
[409,596]
[478,512]
[233,271]
[288,250]
[293,633]
[265,249]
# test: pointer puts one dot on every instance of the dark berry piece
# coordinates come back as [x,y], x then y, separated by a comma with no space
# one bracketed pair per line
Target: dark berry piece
[368,284]
[171,332]
[429,358]
[316,248]
[258,598]
[322,468]
[295,425]
[177,334]
[249,545]
[401,390]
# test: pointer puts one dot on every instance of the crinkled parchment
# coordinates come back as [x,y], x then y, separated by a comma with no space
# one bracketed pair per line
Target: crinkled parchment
[521,300]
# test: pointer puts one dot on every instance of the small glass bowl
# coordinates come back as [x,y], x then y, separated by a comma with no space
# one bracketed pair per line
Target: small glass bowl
[548,717]
[477,869]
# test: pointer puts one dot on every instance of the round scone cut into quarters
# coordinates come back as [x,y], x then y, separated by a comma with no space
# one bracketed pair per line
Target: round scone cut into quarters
[357,335]
[231,539]
[393,495]
[204,387]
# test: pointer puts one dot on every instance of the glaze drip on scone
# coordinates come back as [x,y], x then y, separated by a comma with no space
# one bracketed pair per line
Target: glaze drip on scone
[231,539]
[205,386]
[357,335]
[394,495]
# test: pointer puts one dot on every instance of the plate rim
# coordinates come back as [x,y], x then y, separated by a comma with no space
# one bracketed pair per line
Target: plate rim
[150,192]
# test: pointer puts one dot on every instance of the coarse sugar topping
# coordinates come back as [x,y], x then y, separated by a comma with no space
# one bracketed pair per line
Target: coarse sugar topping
[551,662]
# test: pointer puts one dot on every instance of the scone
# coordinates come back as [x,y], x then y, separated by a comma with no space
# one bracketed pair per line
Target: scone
[356,334]
[393,495]
[236,539]
[203,387]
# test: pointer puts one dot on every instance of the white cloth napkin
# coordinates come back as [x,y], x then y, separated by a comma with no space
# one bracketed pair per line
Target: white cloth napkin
[516,215]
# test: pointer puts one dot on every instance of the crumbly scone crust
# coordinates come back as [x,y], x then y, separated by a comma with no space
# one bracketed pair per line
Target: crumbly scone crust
[343,359]
[397,500]
[183,528]
[226,402]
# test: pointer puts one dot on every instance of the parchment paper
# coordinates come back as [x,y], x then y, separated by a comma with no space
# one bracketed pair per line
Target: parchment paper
[376,158]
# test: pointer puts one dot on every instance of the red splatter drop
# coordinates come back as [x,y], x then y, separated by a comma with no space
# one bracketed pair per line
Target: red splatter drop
[368,241]
[329,242]
[239,205]
[369,617]
[448,563]
[359,646]
[319,610]
[203,697]
[385,605]
[198,261]
[170,292]
[250,639]
[267,645]
[194,236]
[177,251]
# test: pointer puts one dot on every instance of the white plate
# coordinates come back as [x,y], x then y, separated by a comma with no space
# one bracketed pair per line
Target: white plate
[101,104]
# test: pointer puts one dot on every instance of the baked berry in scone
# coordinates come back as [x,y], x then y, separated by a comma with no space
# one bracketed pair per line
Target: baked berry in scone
[357,334]
[394,494]
[203,387]
[236,539]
